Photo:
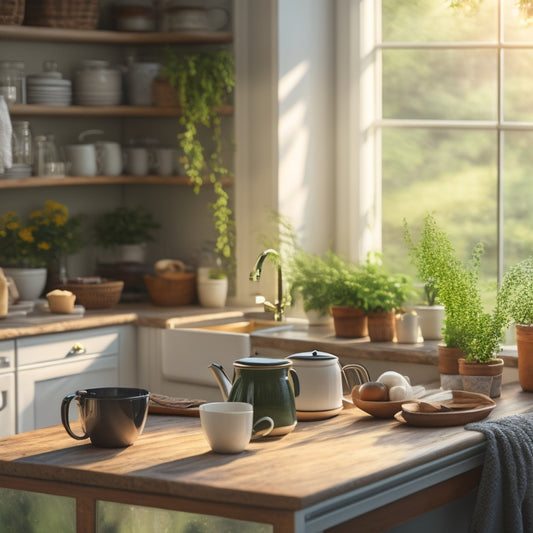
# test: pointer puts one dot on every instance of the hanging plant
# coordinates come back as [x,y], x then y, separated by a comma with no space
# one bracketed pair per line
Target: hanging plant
[203,81]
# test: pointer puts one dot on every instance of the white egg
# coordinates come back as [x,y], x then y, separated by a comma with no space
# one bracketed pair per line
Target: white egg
[392,379]
[400,392]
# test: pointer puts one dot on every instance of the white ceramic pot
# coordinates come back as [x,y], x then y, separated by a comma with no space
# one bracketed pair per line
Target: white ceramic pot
[213,292]
[30,282]
[431,321]
[139,80]
[407,328]
[319,376]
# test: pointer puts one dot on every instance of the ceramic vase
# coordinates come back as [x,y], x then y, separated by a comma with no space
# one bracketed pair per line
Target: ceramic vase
[30,282]
[431,321]
[213,292]
[407,328]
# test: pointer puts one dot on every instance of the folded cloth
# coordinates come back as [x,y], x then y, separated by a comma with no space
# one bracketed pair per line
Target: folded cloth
[504,501]
[6,158]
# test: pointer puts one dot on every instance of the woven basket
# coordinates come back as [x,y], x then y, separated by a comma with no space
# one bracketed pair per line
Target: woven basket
[75,14]
[11,11]
[167,292]
[96,295]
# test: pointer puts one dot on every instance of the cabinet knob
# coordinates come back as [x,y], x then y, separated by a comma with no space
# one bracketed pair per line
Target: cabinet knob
[4,362]
[77,349]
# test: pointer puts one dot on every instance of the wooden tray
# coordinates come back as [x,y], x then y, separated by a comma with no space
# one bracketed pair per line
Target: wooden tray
[154,409]
[167,405]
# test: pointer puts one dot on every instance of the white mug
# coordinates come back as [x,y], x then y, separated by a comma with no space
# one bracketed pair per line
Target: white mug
[136,161]
[109,158]
[82,159]
[228,426]
[164,159]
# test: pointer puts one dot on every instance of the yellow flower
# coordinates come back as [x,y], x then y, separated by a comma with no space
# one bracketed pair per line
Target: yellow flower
[43,246]
[59,219]
[36,214]
[26,234]
[13,225]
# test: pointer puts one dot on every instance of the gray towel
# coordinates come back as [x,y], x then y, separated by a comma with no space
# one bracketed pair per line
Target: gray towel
[504,501]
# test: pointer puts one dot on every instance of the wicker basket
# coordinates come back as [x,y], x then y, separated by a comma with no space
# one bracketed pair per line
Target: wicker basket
[11,11]
[96,295]
[167,292]
[75,14]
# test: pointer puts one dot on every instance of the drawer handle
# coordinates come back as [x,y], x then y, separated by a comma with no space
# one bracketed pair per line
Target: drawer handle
[4,400]
[4,361]
[77,349]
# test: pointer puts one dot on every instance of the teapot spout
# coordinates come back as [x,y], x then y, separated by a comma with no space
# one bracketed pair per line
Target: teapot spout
[222,379]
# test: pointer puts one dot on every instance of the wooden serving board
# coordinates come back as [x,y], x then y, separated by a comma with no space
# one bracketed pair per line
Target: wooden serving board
[177,411]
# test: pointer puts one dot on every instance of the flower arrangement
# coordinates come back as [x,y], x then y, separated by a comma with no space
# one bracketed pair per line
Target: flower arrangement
[48,235]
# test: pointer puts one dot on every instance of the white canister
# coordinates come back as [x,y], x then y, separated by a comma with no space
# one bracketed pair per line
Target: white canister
[139,80]
[136,160]
[319,375]
[81,159]
[109,157]
[407,328]
[96,83]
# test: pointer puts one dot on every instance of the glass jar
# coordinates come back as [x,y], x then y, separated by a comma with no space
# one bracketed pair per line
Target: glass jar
[45,157]
[12,85]
[21,143]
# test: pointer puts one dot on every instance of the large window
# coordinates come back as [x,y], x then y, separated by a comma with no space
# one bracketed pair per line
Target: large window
[454,126]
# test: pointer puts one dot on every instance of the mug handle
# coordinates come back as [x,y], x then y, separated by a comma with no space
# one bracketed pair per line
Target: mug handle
[258,433]
[295,381]
[64,417]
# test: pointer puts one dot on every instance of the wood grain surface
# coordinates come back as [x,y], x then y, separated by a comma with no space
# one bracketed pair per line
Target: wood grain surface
[316,461]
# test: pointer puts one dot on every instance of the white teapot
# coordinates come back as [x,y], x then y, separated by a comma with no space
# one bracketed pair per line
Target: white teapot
[320,376]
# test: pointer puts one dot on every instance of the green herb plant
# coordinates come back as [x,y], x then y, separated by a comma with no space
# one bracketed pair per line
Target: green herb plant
[125,225]
[515,297]
[203,81]
[466,326]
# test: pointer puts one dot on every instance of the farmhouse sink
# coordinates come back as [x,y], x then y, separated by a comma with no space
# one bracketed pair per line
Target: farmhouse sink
[186,353]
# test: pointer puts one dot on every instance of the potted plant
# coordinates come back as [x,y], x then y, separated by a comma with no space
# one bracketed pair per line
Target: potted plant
[27,249]
[126,230]
[471,334]
[516,299]
[202,82]
[384,293]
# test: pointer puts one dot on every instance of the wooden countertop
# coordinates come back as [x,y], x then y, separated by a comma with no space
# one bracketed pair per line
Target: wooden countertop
[318,461]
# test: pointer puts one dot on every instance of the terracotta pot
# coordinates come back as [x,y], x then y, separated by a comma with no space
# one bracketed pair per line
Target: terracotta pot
[485,378]
[349,322]
[524,345]
[381,326]
[449,367]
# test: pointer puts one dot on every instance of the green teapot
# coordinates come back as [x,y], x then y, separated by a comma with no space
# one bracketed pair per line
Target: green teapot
[270,385]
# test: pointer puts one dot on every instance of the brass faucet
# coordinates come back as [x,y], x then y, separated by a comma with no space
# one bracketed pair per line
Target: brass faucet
[278,307]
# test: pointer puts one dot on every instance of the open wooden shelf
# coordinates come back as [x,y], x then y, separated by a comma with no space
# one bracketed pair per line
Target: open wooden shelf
[47,181]
[106,111]
[61,35]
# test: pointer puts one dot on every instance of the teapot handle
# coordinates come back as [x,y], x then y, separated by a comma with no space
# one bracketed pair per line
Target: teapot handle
[295,381]
[354,374]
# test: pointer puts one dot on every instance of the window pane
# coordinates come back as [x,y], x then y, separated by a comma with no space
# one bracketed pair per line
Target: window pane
[518,97]
[449,173]
[518,196]
[430,21]
[515,28]
[440,84]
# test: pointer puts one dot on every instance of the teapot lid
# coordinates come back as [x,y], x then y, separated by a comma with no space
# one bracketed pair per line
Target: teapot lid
[261,362]
[315,355]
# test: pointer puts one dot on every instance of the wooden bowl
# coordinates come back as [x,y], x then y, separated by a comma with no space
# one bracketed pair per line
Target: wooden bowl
[377,409]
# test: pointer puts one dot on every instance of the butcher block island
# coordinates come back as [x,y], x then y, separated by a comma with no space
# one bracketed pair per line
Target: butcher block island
[351,472]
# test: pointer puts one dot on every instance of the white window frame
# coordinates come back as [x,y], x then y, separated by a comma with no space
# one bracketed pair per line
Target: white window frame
[359,120]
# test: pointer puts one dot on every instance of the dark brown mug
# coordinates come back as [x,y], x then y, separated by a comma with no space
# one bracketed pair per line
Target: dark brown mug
[112,417]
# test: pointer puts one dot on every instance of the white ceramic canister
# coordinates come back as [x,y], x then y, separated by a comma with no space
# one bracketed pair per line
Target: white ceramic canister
[319,374]
[136,160]
[81,159]
[96,83]
[109,158]
[139,80]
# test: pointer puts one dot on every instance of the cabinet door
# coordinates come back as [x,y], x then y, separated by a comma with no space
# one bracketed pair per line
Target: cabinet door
[7,404]
[41,389]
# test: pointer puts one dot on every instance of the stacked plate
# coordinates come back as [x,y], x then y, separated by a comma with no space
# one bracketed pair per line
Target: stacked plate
[17,171]
[48,91]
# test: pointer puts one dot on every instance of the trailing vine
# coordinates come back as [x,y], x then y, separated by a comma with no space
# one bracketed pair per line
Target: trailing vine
[202,81]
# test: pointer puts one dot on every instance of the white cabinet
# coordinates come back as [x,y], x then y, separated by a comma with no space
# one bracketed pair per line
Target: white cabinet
[51,366]
[7,388]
